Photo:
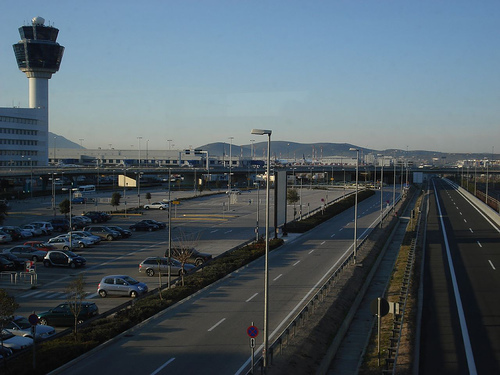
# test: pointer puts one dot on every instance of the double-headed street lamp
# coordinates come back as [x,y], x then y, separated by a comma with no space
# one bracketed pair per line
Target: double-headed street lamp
[356,205]
[266,272]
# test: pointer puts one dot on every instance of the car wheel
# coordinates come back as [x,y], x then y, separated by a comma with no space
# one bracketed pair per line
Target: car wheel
[81,245]
[133,294]
[72,265]
[35,258]
[103,293]
[150,272]
[133,229]
[43,322]
[109,237]
[147,207]
[65,247]
[182,272]
[161,208]
[80,321]
[46,263]
[198,262]
[150,229]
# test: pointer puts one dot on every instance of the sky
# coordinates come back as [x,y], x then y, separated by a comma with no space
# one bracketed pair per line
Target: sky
[407,74]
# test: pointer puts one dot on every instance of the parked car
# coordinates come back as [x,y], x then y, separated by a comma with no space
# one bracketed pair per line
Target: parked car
[98,216]
[79,200]
[103,232]
[160,224]
[45,226]
[28,252]
[36,231]
[5,237]
[7,265]
[40,245]
[121,285]
[143,226]
[193,256]
[19,263]
[24,232]
[62,315]
[233,191]
[13,232]
[125,233]
[61,243]
[156,206]
[13,342]
[78,222]
[5,352]
[153,265]
[95,239]
[82,241]
[63,258]
[60,224]
[20,326]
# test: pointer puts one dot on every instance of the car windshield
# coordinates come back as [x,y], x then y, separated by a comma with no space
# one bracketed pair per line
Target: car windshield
[6,335]
[130,280]
[22,322]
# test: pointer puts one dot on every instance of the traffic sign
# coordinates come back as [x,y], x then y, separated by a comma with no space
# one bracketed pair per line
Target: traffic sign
[252,331]
[384,307]
[33,319]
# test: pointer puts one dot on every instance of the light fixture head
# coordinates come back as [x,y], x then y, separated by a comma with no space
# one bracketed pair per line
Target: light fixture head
[261,132]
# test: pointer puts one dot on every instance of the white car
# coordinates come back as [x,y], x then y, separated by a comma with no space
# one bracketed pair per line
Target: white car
[82,241]
[234,191]
[45,226]
[20,326]
[156,205]
[63,243]
[83,233]
[36,231]
[14,342]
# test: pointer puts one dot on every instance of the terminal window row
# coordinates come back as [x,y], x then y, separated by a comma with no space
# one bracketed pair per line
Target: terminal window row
[18,131]
[25,153]
[23,142]
[18,120]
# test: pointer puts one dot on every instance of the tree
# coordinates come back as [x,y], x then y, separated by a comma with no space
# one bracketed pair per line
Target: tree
[115,199]
[292,195]
[76,294]
[64,207]
[8,306]
[3,211]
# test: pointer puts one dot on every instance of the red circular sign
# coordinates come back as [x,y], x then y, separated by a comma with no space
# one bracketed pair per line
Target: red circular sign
[252,331]
[33,319]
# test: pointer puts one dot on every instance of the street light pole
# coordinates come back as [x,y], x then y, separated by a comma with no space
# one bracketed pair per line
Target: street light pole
[266,272]
[356,205]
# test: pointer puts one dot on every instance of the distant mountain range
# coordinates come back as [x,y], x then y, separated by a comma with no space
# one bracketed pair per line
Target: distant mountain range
[308,151]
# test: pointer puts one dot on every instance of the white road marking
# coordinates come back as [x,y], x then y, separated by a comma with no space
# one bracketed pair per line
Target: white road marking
[491,264]
[162,366]
[252,297]
[277,277]
[216,324]
[297,262]
[479,243]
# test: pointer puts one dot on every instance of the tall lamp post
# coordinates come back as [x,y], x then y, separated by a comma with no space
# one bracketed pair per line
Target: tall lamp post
[382,191]
[266,272]
[356,205]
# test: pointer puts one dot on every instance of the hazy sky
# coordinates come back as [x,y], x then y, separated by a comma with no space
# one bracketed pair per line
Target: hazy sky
[378,74]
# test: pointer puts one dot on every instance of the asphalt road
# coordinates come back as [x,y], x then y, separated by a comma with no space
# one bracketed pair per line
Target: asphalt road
[206,334]
[461,312]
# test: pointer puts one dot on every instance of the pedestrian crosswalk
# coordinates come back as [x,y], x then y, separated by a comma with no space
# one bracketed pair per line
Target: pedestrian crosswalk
[61,295]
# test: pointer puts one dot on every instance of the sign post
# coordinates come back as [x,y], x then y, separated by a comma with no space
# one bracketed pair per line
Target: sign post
[252,332]
[379,307]
[33,319]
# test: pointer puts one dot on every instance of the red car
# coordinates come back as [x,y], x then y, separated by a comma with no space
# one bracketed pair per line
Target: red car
[40,245]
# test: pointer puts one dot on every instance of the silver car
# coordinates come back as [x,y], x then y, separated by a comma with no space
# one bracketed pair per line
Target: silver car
[26,251]
[20,326]
[153,265]
[121,285]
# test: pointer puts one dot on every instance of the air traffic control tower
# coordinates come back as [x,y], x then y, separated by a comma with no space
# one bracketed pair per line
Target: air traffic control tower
[39,56]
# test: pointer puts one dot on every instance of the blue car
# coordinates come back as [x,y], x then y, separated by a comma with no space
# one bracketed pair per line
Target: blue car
[78,200]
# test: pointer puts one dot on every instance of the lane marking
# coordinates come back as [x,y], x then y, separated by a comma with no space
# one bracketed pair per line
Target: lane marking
[322,243]
[333,235]
[229,231]
[471,230]
[479,243]
[310,252]
[277,277]
[458,299]
[216,324]
[492,266]
[252,297]
[162,366]
[297,262]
